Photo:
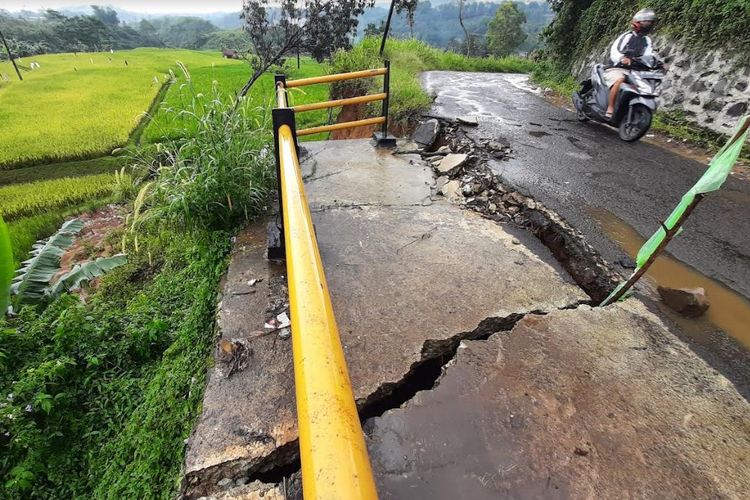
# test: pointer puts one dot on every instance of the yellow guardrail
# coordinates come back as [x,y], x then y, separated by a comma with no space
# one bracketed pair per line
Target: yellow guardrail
[380,137]
[341,126]
[335,464]
[368,73]
[340,102]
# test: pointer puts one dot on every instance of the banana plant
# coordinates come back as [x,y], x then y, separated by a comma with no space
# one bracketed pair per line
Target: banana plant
[6,266]
[32,280]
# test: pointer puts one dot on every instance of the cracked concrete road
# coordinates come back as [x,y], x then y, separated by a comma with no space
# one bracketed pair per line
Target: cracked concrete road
[545,398]
[585,403]
[574,167]
[410,276]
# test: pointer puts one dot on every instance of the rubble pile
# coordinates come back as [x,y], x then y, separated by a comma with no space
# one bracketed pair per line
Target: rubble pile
[461,166]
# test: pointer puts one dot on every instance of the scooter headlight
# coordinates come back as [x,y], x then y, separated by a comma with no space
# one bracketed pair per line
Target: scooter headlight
[645,87]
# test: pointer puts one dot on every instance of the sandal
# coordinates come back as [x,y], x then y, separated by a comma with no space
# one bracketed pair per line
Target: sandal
[608,115]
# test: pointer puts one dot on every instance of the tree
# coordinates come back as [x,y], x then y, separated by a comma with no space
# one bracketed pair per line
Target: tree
[320,27]
[410,6]
[107,15]
[467,38]
[505,31]
[373,29]
[149,34]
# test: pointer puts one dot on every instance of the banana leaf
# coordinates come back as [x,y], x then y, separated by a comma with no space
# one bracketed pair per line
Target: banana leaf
[83,273]
[33,278]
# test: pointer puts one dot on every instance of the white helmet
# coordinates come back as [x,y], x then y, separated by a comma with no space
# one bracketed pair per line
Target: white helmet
[643,21]
[644,15]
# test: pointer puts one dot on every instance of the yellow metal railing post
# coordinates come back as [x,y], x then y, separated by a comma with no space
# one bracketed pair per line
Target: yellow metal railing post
[335,464]
[333,453]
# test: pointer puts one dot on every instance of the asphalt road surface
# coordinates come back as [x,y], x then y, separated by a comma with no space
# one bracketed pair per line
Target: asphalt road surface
[578,169]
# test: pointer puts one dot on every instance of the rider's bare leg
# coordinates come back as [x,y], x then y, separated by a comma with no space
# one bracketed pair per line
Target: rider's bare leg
[613,95]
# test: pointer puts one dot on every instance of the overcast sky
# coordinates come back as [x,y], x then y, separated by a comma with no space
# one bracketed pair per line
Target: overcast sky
[150,6]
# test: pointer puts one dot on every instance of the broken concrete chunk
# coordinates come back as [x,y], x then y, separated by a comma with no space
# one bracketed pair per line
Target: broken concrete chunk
[407,146]
[441,181]
[451,163]
[471,121]
[452,191]
[427,133]
[690,302]
[443,150]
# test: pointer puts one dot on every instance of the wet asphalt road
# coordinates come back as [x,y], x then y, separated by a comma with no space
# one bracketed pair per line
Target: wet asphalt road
[574,167]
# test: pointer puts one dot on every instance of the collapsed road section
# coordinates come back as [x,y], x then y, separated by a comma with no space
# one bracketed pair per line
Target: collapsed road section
[417,282]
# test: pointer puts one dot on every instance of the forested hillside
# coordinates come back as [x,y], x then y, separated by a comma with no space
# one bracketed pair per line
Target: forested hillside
[51,31]
[437,22]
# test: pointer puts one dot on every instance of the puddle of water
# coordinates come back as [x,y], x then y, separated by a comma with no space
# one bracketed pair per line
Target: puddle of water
[729,310]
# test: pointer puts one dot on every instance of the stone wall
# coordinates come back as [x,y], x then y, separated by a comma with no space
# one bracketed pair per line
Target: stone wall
[709,88]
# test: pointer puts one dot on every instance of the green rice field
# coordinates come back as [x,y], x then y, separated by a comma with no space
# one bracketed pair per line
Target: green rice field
[85,105]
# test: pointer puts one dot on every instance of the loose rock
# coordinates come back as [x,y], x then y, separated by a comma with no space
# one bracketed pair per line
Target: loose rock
[690,302]
[471,121]
[452,191]
[451,163]
[427,133]
[225,483]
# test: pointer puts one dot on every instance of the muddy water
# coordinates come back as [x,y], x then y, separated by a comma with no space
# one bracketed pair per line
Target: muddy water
[729,310]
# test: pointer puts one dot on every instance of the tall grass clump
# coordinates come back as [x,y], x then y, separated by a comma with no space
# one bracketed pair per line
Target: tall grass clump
[217,175]
[408,59]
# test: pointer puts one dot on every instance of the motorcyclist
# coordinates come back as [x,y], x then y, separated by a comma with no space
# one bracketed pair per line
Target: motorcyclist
[628,46]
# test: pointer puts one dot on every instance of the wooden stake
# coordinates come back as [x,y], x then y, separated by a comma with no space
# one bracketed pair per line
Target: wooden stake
[10,56]
[670,233]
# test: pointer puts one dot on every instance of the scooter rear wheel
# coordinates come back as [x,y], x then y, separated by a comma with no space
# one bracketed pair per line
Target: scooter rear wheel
[640,122]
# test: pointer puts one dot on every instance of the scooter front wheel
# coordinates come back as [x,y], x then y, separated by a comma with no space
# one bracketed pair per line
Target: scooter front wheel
[639,123]
[582,116]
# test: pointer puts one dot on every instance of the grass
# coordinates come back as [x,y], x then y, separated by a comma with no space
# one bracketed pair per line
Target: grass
[548,75]
[75,168]
[104,394]
[228,79]
[85,105]
[408,59]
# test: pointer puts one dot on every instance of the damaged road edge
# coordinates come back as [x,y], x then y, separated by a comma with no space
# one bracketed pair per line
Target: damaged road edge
[474,185]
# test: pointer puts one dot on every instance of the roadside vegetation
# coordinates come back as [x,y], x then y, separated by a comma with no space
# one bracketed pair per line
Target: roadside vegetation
[99,396]
[582,28]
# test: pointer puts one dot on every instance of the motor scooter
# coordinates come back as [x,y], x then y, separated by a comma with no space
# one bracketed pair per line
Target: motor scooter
[635,103]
